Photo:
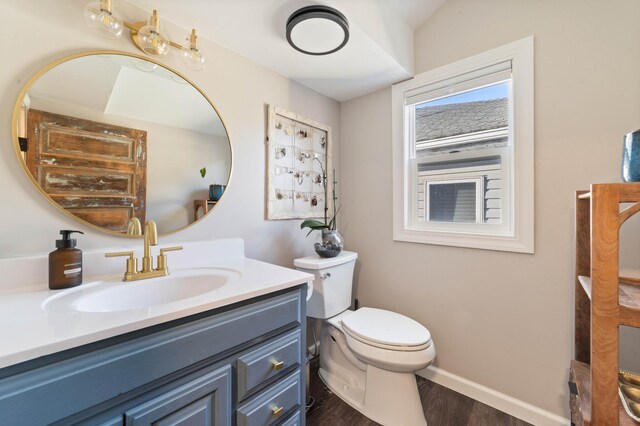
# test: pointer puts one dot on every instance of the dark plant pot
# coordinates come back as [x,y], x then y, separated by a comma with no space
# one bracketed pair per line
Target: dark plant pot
[631,157]
[332,243]
[216,191]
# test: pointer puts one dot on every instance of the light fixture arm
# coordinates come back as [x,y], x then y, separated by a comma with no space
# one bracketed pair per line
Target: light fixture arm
[193,40]
[154,20]
[106,5]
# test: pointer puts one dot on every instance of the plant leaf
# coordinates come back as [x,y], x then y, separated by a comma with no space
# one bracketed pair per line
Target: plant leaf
[313,224]
[203,171]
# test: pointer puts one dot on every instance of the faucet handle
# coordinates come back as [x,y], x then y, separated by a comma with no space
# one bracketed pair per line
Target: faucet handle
[120,253]
[162,257]
[166,249]
[132,262]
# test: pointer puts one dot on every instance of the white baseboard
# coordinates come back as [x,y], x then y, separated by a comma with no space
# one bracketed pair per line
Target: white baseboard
[505,403]
[512,406]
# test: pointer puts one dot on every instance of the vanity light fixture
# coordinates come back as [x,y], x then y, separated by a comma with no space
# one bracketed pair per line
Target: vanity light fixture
[317,30]
[147,36]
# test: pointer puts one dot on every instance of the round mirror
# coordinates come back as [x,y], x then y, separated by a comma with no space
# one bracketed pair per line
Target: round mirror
[115,139]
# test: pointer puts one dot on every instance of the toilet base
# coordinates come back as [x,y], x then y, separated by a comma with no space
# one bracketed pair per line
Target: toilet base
[392,398]
[387,397]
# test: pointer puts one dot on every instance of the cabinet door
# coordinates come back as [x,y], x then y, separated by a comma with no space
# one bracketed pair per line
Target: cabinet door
[202,401]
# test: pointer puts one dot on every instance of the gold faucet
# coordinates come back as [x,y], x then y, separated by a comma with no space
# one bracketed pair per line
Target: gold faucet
[134,227]
[150,239]
[147,271]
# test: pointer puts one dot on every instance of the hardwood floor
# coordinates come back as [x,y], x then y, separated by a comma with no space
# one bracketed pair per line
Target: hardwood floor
[442,407]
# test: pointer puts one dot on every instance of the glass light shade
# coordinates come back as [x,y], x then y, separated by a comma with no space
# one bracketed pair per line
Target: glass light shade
[102,20]
[318,35]
[178,79]
[145,66]
[193,59]
[153,41]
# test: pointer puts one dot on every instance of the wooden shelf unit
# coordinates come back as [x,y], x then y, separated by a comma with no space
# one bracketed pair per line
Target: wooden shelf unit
[603,302]
[202,207]
[581,403]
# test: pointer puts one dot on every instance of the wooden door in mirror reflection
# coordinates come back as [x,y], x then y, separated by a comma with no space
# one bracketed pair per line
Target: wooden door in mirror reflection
[95,171]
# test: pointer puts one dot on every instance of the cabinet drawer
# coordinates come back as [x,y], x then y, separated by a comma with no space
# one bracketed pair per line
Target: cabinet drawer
[268,361]
[205,400]
[295,420]
[273,404]
[117,421]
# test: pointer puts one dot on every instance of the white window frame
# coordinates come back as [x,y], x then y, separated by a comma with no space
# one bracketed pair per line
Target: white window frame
[450,179]
[515,234]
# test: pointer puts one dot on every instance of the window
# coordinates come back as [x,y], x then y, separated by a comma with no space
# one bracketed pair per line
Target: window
[458,200]
[463,152]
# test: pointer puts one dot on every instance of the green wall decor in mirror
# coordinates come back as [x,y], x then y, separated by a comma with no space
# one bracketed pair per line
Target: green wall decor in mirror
[109,136]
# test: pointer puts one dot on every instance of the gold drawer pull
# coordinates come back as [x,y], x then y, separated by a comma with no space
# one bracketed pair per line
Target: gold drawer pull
[278,365]
[277,411]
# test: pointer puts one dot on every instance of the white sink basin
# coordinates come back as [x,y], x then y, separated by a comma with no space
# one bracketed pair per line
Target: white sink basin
[115,295]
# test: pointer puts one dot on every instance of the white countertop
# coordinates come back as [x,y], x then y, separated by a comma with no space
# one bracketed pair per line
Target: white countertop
[29,331]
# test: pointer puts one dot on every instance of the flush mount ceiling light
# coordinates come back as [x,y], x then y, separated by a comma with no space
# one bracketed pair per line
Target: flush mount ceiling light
[147,36]
[317,30]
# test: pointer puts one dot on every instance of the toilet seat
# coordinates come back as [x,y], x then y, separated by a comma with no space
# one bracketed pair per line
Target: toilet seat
[386,340]
[386,330]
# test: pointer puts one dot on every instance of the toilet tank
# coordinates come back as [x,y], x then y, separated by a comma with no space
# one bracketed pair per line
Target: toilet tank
[332,283]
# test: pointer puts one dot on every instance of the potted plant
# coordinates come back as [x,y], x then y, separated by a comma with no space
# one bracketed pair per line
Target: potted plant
[332,241]
[215,190]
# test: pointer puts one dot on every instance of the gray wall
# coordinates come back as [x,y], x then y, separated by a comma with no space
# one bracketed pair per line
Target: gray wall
[503,320]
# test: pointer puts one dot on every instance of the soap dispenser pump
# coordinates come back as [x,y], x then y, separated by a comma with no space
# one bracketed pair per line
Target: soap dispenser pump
[65,262]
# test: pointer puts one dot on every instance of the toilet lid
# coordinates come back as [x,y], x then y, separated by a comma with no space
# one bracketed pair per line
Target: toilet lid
[316,262]
[380,327]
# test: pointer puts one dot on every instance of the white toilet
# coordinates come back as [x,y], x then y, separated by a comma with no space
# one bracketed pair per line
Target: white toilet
[368,357]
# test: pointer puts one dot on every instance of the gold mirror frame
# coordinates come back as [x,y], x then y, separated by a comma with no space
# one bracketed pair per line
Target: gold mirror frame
[47,68]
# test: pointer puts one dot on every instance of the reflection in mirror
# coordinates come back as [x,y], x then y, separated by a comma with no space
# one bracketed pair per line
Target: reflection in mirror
[110,137]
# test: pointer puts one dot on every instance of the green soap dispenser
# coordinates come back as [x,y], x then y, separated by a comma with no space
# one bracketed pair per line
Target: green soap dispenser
[65,263]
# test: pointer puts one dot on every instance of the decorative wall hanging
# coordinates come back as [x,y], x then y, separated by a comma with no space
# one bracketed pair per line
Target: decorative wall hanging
[298,149]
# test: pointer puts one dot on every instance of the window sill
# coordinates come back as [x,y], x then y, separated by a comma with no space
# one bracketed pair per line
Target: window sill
[509,243]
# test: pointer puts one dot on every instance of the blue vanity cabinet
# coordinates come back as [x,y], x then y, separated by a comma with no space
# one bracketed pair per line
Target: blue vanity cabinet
[241,364]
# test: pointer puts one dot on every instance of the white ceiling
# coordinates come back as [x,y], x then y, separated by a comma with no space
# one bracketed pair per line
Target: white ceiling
[117,87]
[379,51]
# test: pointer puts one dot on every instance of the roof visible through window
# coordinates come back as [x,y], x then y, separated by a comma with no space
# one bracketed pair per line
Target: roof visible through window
[473,111]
